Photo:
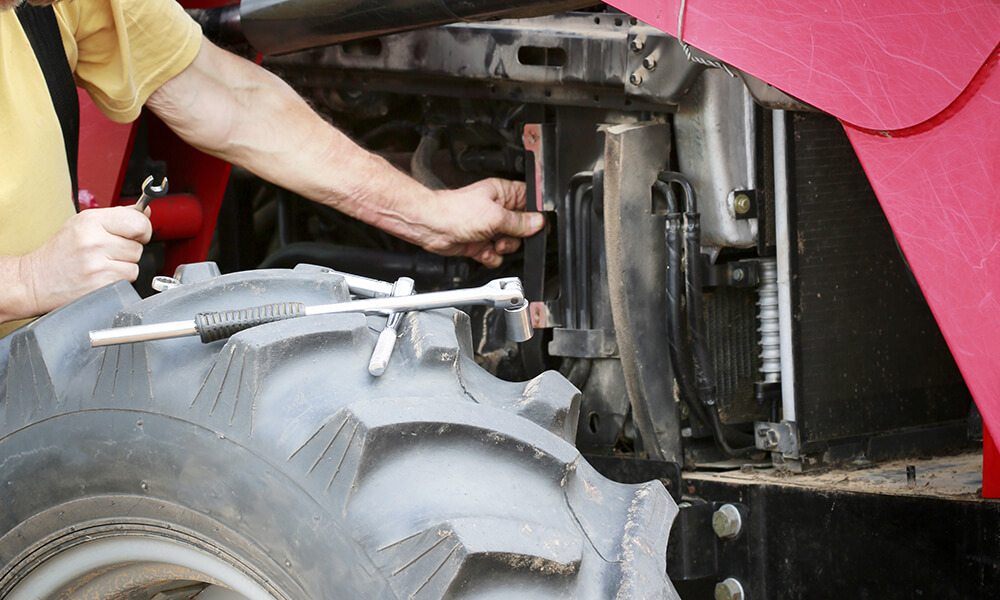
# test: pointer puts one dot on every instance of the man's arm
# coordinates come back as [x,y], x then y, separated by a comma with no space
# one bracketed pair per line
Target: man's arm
[233,109]
[91,250]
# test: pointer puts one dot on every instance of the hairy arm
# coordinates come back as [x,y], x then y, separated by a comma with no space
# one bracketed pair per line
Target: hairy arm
[235,110]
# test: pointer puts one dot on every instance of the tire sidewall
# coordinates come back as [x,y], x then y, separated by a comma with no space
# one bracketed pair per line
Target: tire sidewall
[98,473]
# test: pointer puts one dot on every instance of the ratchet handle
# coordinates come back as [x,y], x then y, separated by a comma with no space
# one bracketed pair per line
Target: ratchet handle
[212,326]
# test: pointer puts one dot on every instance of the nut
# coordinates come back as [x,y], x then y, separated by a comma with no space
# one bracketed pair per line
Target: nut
[649,62]
[741,204]
[635,79]
[727,522]
[738,274]
[636,45]
[729,589]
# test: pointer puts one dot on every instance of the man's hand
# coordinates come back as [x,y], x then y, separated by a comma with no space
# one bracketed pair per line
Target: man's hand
[93,249]
[482,221]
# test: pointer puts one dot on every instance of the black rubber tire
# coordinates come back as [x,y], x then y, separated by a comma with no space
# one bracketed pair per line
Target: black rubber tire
[279,453]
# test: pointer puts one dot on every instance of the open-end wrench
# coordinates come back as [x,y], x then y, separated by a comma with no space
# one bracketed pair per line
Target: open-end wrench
[506,293]
[150,191]
[387,339]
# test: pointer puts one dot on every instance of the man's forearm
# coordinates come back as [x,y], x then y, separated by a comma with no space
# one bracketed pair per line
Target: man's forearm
[15,298]
[232,109]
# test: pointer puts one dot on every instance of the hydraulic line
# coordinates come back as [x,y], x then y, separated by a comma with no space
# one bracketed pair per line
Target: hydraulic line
[675,284]
[704,377]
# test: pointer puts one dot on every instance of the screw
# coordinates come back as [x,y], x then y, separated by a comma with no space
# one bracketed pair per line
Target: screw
[636,45]
[768,438]
[742,204]
[635,79]
[729,589]
[532,137]
[738,274]
[727,522]
[649,62]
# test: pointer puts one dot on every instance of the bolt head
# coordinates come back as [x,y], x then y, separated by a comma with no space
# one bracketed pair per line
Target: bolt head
[741,204]
[636,45]
[729,589]
[738,275]
[727,522]
[635,79]
[649,62]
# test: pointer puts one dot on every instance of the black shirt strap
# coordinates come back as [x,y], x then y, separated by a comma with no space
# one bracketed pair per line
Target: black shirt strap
[39,24]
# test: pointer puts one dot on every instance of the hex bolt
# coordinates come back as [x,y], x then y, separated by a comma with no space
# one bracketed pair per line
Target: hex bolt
[727,522]
[741,203]
[635,79]
[738,275]
[649,62]
[636,45]
[729,589]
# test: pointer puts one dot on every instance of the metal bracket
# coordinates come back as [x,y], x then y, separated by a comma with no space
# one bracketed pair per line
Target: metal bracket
[781,438]
[656,66]
[740,273]
[583,343]
[539,141]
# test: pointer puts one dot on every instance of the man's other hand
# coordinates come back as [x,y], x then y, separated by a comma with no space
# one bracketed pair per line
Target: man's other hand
[93,249]
[483,221]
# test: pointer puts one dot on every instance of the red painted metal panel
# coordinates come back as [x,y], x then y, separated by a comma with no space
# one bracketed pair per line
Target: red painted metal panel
[991,466]
[190,172]
[883,65]
[938,186]
[104,150]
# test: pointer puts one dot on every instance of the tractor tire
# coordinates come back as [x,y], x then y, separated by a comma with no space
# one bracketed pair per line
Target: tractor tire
[273,466]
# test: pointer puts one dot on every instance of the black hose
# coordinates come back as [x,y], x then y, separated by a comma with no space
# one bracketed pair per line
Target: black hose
[570,275]
[582,199]
[704,376]
[427,269]
[677,343]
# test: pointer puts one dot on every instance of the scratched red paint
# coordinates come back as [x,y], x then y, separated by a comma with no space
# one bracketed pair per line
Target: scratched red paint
[533,143]
[938,187]
[877,64]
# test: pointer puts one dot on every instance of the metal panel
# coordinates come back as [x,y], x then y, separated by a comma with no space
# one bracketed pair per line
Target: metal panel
[634,155]
[716,149]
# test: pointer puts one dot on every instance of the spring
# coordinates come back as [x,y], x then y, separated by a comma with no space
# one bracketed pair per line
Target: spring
[767,304]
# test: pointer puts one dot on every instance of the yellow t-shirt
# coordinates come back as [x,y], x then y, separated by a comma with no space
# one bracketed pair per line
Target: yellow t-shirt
[120,51]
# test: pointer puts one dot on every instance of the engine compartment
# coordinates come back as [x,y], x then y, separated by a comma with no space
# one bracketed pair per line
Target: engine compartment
[819,346]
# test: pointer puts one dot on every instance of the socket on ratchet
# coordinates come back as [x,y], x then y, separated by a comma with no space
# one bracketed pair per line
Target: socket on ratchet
[506,293]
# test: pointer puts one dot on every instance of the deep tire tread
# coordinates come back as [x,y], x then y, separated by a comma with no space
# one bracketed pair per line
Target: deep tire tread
[447,478]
